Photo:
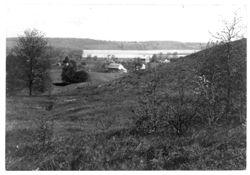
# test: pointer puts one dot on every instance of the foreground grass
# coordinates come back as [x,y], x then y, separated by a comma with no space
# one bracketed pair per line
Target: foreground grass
[78,141]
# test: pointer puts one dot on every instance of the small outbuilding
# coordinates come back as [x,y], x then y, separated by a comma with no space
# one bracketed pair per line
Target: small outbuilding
[143,66]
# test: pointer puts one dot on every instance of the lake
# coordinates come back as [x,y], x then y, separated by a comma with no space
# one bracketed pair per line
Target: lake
[133,53]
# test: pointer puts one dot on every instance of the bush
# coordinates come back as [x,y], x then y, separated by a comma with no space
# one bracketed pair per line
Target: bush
[44,132]
[80,76]
[222,83]
[71,75]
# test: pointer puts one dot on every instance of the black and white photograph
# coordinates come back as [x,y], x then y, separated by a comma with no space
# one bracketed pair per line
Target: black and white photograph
[124,85]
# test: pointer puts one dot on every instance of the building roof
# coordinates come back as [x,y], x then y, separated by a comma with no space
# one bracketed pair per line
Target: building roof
[114,66]
[117,66]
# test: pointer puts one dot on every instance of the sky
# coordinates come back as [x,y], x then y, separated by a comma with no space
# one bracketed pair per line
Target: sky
[120,20]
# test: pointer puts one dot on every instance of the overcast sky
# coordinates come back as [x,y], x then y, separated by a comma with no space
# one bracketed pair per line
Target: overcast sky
[123,20]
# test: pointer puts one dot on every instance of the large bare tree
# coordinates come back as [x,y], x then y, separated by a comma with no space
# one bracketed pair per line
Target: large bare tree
[230,32]
[31,47]
[222,68]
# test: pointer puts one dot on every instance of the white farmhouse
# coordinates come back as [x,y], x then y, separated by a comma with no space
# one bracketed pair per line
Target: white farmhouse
[166,61]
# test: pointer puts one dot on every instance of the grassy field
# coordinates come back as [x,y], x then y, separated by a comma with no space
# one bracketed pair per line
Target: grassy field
[95,78]
[80,114]
[92,126]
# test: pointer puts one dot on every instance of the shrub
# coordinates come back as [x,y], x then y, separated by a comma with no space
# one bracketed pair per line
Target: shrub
[71,75]
[44,132]
[157,110]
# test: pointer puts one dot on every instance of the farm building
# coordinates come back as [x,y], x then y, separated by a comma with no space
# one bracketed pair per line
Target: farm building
[143,66]
[116,67]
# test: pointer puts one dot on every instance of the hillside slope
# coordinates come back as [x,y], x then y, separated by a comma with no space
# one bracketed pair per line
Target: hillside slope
[187,66]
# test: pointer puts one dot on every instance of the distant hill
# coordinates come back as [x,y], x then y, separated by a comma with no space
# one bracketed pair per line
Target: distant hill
[79,44]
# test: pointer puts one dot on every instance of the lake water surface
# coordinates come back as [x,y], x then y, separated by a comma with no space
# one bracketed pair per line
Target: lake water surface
[133,53]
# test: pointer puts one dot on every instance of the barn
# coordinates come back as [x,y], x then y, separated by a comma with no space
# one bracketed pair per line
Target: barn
[114,67]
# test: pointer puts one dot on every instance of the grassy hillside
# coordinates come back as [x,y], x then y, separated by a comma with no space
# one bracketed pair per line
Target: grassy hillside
[102,127]
[79,44]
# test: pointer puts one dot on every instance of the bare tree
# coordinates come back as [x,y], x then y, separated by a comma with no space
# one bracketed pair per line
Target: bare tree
[231,31]
[30,47]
